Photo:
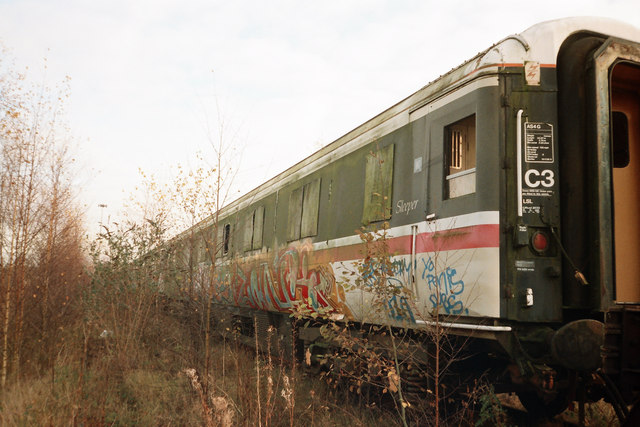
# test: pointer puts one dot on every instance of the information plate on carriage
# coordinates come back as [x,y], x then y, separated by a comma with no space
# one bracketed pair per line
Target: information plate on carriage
[538,143]
[539,171]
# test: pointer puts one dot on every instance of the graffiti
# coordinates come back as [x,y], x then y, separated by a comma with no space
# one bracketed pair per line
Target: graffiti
[444,288]
[401,270]
[396,277]
[399,309]
[293,277]
[290,279]
[372,271]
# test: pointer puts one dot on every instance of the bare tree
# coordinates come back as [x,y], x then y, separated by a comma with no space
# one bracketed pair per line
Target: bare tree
[190,207]
[35,203]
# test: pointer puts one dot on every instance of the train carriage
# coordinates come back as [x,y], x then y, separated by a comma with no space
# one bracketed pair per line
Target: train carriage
[509,187]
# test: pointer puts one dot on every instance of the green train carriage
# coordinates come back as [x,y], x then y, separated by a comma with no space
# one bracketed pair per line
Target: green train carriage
[509,186]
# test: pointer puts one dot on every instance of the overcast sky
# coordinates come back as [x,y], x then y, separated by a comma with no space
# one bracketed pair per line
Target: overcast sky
[290,76]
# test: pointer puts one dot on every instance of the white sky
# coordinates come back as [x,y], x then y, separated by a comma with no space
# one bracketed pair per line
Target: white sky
[290,75]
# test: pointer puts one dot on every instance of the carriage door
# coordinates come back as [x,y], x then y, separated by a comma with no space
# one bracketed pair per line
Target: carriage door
[618,73]
[625,144]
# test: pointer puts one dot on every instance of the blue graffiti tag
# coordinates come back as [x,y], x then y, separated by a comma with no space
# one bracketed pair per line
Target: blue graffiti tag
[397,305]
[399,308]
[444,288]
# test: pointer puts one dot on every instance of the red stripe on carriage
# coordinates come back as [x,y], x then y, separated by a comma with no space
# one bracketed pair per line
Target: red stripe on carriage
[472,237]
[476,236]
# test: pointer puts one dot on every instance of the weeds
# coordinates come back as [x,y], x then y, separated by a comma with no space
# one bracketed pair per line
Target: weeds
[491,411]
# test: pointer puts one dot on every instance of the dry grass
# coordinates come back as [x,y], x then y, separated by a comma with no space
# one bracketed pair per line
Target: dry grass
[99,384]
[156,382]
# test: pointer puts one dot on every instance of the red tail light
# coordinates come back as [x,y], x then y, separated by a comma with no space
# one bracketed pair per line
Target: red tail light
[540,241]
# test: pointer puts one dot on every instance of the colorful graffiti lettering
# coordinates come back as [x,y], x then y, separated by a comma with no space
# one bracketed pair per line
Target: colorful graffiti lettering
[444,288]
[289,280]
[292,277]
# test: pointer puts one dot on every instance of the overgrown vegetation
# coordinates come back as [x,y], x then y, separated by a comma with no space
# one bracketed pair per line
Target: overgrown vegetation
[119,331]
[41,257]
[136,356]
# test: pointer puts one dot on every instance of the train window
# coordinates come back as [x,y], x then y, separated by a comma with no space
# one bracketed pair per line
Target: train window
[303,211]
[253,229]
[226,239]
[620,131]
[258,225]
[460,152]
[378,185]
